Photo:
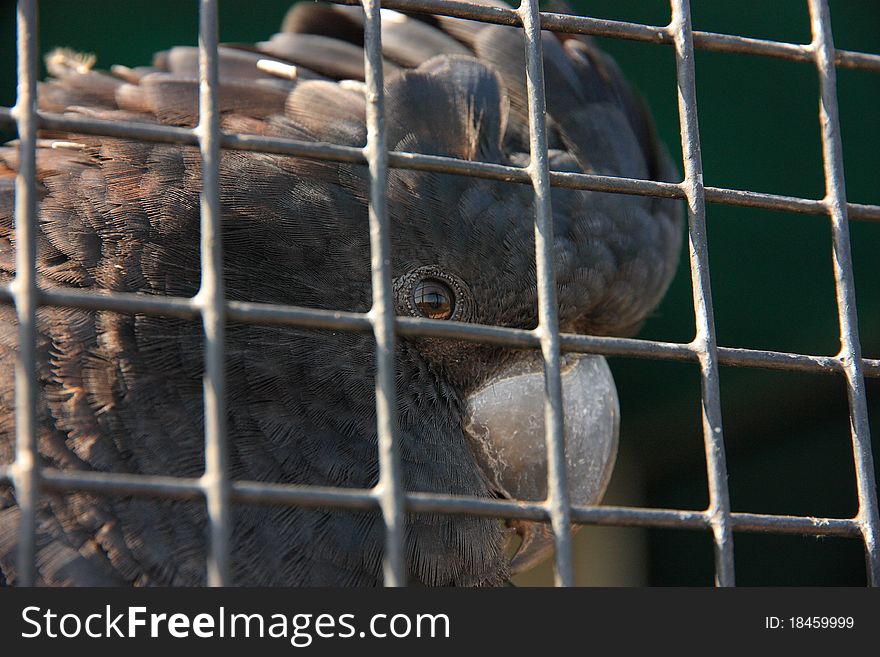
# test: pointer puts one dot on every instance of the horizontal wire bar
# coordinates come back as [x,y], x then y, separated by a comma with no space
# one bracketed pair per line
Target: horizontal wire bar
[798,525]
[269,494]
[570,24]
[317,318]
[765,201]
[439,164]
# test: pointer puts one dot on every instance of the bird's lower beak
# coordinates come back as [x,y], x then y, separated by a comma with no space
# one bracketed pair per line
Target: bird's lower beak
[505,423]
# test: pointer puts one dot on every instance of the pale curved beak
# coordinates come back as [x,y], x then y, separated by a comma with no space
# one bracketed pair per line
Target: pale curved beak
[505,423]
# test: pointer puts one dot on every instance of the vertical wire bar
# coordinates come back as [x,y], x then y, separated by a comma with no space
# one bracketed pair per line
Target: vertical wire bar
[24,289]
[850,348]
[558,503]
[390,487]
[705,339]
[210,299]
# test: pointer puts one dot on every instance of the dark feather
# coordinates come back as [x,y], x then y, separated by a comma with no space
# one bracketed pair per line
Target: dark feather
[123,393]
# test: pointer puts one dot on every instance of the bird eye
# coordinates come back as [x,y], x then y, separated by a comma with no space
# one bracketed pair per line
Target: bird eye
[433,292]
[434,299]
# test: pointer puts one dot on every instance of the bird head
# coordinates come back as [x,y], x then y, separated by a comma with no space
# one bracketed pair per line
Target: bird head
[470,415]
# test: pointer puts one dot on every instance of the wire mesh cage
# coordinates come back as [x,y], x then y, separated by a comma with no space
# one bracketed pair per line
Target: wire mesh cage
[217,489]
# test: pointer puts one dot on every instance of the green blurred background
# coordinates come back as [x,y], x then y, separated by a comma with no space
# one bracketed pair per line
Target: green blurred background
[787,434]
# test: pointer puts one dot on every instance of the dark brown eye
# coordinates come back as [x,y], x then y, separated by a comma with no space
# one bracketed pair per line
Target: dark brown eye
[434,299]
[433,292]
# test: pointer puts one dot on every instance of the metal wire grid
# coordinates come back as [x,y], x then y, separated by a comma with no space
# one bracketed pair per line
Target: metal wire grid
[30,480]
